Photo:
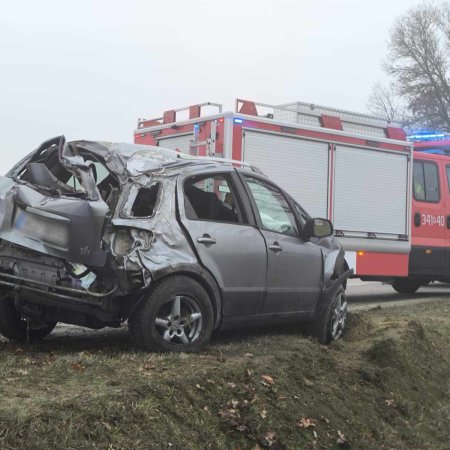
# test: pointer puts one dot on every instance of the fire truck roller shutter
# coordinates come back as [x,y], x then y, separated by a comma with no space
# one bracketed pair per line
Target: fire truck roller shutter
[297,165]
[181,143]
[370,191]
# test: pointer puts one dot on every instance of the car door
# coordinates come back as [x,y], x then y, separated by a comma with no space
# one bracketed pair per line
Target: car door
[294,266]
[233,250]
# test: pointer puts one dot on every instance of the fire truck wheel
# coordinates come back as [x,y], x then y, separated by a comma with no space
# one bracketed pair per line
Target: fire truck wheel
[405,285]
[17,328]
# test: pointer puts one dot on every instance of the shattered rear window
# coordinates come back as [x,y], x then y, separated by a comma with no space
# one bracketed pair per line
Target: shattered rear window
[145,201]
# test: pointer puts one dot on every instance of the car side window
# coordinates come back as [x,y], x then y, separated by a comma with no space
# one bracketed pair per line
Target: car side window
[426,182]
[141,201]
[211,197]
[145,201]
[302,215]
[274,211]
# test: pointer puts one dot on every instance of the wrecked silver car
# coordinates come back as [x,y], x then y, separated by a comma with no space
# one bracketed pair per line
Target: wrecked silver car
[97,234]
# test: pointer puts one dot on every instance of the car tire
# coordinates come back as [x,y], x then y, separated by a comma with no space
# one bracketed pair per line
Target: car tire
[405,285]
[16,328]
[330,325]
[176,316]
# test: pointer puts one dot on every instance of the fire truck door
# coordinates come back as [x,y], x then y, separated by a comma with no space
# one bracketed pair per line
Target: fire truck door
[428,218]
[446,189]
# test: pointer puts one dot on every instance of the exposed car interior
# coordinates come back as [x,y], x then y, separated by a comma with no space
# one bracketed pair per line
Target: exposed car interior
[145,201]
[46,171]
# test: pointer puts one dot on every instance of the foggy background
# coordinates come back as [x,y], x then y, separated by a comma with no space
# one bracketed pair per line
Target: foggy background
[89,69]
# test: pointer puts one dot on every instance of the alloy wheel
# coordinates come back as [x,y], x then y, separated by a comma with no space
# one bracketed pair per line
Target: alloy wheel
[179,321]
[339,316]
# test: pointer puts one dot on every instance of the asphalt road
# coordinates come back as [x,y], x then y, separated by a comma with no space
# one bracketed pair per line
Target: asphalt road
[364,295]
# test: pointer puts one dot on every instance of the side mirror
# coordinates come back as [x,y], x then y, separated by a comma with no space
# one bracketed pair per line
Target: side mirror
[318,228]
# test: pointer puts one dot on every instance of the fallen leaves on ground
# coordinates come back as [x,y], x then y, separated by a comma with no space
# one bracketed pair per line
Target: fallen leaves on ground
[306,422]
[267,380]
[341,438]
[78,367]
[269,438]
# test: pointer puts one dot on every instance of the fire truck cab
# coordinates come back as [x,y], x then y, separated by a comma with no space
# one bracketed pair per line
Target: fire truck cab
[430,252]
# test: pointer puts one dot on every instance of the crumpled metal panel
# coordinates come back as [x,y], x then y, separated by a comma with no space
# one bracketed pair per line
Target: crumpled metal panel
[168,245]
[68,228]
[333,256]
[150,160]
[72,228]
[130,159]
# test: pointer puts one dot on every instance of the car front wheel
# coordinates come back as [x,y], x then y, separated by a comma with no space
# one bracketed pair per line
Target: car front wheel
[331,325]
[176,316]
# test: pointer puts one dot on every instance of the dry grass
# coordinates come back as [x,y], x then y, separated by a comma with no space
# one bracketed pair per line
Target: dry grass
[384,386]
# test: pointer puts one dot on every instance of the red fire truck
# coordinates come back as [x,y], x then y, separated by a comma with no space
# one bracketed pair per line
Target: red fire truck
[354,169]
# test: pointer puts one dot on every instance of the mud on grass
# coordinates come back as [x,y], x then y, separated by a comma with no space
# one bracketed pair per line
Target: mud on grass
[385,385]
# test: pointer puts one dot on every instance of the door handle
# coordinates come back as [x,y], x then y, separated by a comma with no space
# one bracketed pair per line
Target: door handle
[417,219]
[206,239]
[276,247]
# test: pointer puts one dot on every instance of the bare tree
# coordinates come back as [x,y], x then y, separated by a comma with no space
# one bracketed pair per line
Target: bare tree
[384,102]
[418,63]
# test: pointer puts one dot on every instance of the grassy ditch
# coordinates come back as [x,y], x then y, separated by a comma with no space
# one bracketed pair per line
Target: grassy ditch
[386,385]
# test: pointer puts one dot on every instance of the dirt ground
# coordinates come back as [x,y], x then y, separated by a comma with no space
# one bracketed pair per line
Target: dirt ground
[384,386]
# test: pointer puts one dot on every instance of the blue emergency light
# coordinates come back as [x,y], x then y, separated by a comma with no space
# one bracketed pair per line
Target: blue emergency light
[424,135]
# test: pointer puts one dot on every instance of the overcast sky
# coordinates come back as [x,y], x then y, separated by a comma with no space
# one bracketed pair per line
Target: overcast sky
[89,69]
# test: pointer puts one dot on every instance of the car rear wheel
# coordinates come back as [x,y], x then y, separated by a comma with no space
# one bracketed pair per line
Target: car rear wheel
[331,325]
[177,316]
[405,285]
[17,328]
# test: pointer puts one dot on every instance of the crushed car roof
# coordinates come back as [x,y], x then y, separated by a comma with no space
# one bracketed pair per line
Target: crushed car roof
[122,159]
[140,159]
[136,159]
